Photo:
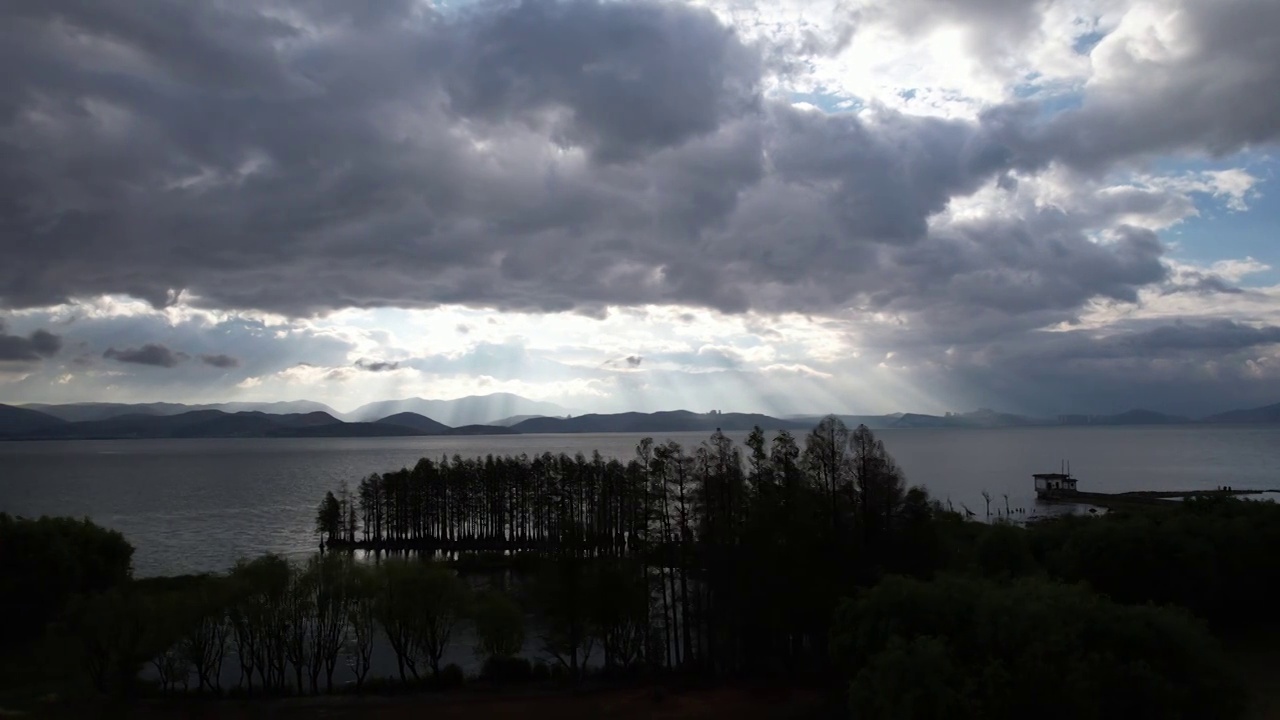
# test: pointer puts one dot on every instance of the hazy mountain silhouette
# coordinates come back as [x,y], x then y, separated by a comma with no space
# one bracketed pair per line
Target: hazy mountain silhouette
[19,423]
[1140,417]
[673,421]
[482,430]
[196,424]
[342,429]
[250,424]
[199,424]
[16,419]
[81,412]
[418,422]
[473,410]
[1265,414]
[992,419]
[509,421]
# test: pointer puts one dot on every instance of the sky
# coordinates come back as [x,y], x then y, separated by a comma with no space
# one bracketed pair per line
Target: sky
[781,206]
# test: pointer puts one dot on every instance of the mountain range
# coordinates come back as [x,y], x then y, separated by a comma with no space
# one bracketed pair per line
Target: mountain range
[494,409]
[672,421]
[80,412]
[156,420]
[474,410]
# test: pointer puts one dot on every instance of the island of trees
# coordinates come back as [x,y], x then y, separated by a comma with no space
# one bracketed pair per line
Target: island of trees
[788,563]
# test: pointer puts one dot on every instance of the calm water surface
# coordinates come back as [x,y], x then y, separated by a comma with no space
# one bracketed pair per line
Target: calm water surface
[197,505]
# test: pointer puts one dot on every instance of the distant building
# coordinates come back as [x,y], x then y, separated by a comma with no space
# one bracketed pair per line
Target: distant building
[1054,484]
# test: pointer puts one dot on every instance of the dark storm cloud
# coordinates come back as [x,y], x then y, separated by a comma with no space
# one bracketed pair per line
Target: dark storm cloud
[631,78]
[220,361]
[1202,283]
[1208,338]
[149,354]
[1132,344]
[155,172]
[634,360]
[982,279]
[1193,368]
[258,350]
[304,157]
[39,345]
[377,366]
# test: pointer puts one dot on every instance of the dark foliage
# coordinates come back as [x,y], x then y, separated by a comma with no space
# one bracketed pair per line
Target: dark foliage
[1218,557]
[969,648]
[506,669]
[46,562]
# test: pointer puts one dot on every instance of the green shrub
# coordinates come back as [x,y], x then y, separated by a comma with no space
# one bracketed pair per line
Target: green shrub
[963,648]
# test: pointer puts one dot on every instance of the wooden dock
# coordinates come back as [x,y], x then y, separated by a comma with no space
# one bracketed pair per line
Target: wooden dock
[1143,497]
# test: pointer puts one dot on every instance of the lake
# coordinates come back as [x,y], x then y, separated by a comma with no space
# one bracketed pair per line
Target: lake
[198,505]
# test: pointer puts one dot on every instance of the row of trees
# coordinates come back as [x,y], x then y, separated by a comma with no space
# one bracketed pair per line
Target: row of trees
[280,627]
[693,551]
[608,506]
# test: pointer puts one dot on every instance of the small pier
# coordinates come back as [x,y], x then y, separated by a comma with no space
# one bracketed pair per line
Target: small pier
[1061,487]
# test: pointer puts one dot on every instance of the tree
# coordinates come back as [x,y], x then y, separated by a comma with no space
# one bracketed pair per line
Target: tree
[204,641]
[619,611]
[329,518]
[46,562]
[879,484]
[396,606]
[418,606]
[826,457]
[499,625]
[298,616]
[259,620]
[108,633]
[760,473]
[329,581]
[361,588]
[560,590]
[443,601]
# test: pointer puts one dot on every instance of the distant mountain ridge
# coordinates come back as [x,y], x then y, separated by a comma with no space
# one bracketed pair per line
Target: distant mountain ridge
[22,424]
[418,422]
[672,421]
[992,419]
[509,421]
[26,423]
[1265,414]
[195,424]
[80,412]
[472,410]
[15,419]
